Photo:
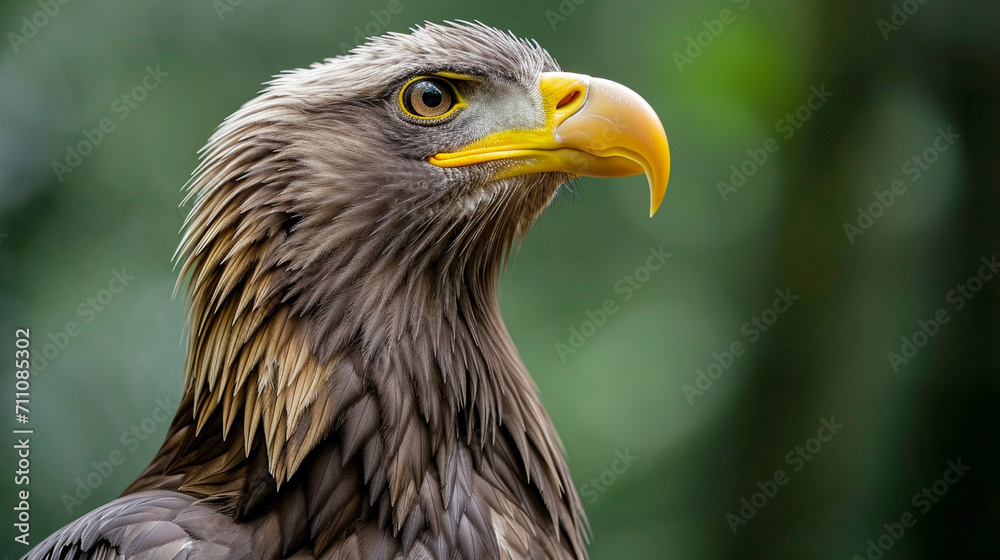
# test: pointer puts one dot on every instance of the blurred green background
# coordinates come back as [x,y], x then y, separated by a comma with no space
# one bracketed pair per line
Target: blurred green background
[844,94]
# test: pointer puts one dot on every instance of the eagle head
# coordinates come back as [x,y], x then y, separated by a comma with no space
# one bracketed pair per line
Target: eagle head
[350,388]
[348,228]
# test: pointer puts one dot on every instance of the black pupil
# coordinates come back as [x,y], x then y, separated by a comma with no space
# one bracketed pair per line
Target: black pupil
[431,96]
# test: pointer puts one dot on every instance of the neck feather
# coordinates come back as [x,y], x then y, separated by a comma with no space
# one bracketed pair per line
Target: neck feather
[379,340]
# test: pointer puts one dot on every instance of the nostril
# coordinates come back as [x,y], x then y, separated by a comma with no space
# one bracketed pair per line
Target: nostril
[569,98]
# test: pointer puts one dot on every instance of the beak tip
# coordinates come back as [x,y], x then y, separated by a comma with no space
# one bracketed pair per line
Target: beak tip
[657,191]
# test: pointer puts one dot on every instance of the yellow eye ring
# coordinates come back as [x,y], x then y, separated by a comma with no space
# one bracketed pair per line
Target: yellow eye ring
[429,98]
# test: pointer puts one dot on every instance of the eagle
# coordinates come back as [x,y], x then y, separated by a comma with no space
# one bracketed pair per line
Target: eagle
[350,389]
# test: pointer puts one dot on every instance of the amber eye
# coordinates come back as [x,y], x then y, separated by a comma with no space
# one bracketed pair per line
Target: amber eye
[428,97]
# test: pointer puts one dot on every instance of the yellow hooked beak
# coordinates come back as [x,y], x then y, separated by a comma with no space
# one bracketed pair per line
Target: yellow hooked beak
[594,127]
